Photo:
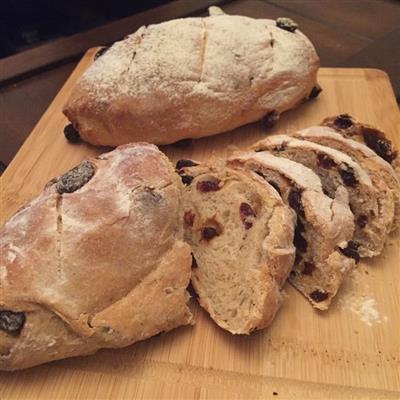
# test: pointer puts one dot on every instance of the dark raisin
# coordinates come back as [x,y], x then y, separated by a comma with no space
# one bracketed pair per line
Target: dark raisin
[246,210]
[75,178]
[183,143]
[315,91]
[208,233]
[71,134]
[280,147]
[376,141]
[318,296]
[351,250]
[208,186]
[324,161]
[275,186]
[295,201]
[293,274]
[348,177]
[194,262]
[101,52]
[271,119]
[247,225]
[299,241]
[189,218]
[286,24]
[185,163]
[12,322]
[362,221]
[343,121]
[308,268]
[186,179]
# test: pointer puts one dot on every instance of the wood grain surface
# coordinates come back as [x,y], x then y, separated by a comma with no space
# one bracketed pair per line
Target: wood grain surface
[341,353]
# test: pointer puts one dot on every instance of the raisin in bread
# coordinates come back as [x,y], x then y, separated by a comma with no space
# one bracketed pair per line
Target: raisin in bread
[193,77]
[324,227]
[372,137]
[381,172]
[336,169]
[96,260]
[241,235]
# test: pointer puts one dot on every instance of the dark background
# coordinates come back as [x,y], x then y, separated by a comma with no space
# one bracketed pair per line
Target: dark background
[28,23]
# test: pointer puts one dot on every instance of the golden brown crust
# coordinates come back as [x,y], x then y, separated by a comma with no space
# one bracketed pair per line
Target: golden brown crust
[83,260]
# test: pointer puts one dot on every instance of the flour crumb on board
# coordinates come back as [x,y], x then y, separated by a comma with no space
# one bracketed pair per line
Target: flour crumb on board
[365,308]
[356,297]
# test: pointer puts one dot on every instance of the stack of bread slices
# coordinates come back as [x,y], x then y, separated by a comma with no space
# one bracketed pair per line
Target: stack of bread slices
[338,179]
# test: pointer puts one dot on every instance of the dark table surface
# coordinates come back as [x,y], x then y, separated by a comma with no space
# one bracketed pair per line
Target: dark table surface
[346,33]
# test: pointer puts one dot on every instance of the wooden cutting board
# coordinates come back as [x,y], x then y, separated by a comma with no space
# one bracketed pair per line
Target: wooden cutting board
[350,351]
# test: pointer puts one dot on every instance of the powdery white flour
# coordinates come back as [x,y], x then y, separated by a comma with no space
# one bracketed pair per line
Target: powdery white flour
[356,297]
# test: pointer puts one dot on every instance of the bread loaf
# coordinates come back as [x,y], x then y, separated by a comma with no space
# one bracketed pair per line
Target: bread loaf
[193,77]
[96,260]
[324,226]
[241,235]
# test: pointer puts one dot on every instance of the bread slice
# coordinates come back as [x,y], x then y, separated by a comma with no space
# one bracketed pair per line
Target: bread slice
[372,137]
[97,260]
[381,172]
[241,235]
[324,228]
[336,169]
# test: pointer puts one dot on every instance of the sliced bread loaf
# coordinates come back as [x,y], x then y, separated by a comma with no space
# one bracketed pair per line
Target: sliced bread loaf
[336,169]
[241,235]
[381,172]
[324,228]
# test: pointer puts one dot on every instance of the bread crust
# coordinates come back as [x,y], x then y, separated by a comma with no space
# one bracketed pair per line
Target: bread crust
[80,267]
[191,77]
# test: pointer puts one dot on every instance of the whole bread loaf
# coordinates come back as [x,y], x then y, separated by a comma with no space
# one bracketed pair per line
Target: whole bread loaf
[96,260]
[193,77]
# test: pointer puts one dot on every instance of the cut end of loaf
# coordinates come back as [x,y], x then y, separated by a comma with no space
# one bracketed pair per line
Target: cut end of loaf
[231,221]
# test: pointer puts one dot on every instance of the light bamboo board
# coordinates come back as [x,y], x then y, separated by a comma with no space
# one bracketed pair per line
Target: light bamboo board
[304,354]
